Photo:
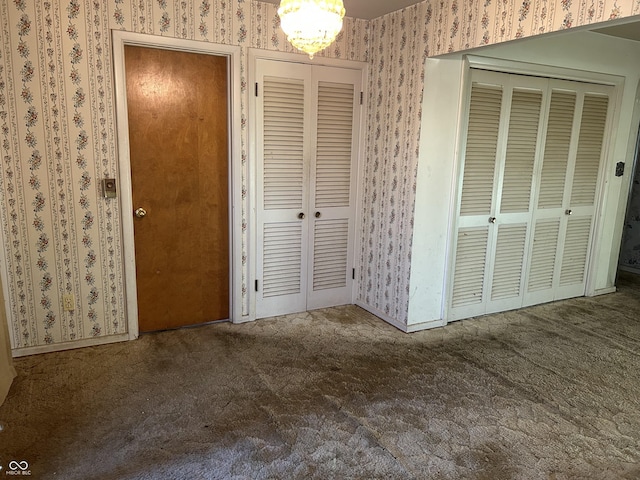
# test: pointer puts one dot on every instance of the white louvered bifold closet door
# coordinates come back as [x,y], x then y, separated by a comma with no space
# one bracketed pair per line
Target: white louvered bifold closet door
[547,222]
[332,187]
[283,109]
[495,196]
[563,219]
[473,239]
[516,187]
[584,190]
[307,149]
[531,165]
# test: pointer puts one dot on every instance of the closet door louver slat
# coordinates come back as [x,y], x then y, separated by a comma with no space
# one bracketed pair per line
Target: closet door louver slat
[574,255]
[334,139]
[521,150]
[469,270]
[543,255]
[282,259]
[283,127]
[330,254]
[585,177]
[509,257]
[556,152]
[481,148]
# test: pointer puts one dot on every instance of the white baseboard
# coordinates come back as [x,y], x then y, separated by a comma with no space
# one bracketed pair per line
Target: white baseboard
[603,291]
[383,316]
[245,319]
[57,347]
[416,327]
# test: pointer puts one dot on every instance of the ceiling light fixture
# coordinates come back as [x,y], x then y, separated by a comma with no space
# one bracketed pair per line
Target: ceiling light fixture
[311,25]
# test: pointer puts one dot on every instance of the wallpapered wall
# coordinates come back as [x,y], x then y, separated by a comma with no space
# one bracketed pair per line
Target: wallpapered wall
[58,135]
[58,140]
[399,43]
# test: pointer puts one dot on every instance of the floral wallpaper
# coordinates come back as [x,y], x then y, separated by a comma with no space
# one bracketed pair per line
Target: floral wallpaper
[630,252]
[393,131]
[249,24]
[59,237]
[400,41]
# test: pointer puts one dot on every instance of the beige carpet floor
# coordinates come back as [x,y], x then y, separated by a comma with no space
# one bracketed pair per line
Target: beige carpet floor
[549,392]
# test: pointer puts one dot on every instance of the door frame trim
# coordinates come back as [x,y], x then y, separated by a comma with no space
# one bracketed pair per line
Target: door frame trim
[253,55]
[233,53]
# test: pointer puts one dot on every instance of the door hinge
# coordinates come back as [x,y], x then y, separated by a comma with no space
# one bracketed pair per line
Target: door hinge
[361,97]
[353,274]
[256,89]
[256,285]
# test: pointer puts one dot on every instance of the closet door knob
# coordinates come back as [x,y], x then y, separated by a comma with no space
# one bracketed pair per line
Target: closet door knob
[492,219]
[568,212]
[301,215]
[317,214]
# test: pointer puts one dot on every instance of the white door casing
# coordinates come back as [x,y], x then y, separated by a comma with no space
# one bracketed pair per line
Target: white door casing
[120,39]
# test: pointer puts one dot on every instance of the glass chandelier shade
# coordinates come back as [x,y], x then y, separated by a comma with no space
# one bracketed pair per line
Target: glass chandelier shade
[311,25]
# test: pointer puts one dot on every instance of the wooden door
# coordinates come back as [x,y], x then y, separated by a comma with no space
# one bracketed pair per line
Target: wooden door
[177,111]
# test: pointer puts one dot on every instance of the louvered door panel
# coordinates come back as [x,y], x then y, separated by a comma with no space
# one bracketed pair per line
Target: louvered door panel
[585,177]
[282,147]
[574,254]
[481,149]
[307,149]
[333,186]
[508,264]
[334,140]
[521,150]
[330,254]
[543,255]
[532,157]
[282,259]
[283,119]
[556,152]
[470,265]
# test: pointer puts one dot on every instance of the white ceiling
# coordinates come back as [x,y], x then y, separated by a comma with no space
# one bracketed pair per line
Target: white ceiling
[630,31]
[369,9]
